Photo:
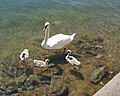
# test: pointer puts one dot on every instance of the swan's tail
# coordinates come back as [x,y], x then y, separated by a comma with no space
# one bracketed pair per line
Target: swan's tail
[72,36]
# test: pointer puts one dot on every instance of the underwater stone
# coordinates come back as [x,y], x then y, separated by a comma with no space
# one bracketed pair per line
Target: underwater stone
[11,91]
[2,91]
[29,71]
[45,79]
[57,87]
[33,80]
[98,74]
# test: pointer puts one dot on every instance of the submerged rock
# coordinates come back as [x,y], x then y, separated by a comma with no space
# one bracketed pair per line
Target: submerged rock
[98,74]
[2,91]
[20,81]
[100,64]
[57,87]
[27,88]
[29,71]
[90,47]
[33,80]
[116,69]
[11,83]
[22,78]
[11,91]
[38,71]
[99,40]
[30,88]
[91,52]
[99,56]
[85,93]
[18,72]
[45,79]
[8,72]
[99,49]
[51,65]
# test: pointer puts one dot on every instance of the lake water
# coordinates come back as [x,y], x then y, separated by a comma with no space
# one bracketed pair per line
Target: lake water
[21,24]
[22,20]
[11,10]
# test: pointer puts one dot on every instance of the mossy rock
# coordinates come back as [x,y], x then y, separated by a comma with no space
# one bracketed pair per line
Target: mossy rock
[58,87]
[29,71]
[98,74]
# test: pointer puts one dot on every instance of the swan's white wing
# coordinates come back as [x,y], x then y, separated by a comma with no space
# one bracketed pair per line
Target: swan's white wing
[73,60]
[60,39]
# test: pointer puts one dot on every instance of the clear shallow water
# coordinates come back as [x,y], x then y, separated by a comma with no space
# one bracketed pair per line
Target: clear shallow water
[11,9]
[18,12]
[22,19]
[21,23]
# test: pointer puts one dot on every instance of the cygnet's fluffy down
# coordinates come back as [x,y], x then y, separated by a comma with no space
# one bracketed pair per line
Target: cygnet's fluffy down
[40,63]
[24,55]
[71,59]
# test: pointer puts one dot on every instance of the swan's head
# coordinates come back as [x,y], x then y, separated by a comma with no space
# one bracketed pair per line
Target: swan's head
[46,25]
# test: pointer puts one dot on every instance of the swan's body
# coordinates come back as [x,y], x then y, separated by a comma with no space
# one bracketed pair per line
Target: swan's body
[40,63]
[57,41]
[71,59]
[24,55]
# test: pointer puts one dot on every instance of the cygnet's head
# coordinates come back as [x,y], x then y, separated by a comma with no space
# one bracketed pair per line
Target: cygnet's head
[47,60]
[68,52]
[35,61]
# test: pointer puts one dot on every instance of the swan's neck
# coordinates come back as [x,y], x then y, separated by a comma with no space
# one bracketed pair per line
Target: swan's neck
[47,32]
[67,57]
[46,63]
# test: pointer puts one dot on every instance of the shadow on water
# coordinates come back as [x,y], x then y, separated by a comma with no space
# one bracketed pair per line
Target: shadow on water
[58,58]
[46,79]
[77,74]
[60,70]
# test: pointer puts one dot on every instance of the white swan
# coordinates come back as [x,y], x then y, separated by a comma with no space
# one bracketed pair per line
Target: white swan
[24,55]
[57,41]
[40,63]
[72,60]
